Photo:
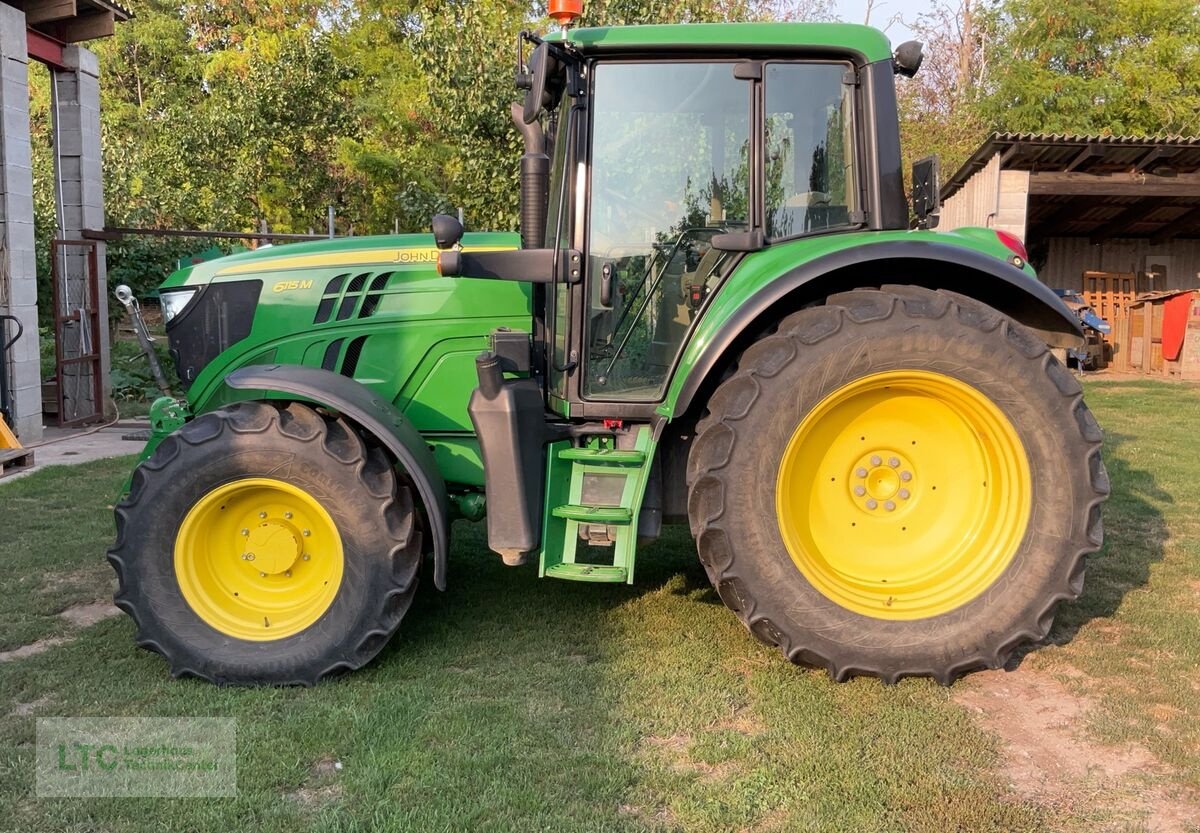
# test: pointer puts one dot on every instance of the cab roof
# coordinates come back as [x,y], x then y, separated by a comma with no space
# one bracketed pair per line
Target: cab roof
[866,41]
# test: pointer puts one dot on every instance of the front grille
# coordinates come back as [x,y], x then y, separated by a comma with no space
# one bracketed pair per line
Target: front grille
[220,316]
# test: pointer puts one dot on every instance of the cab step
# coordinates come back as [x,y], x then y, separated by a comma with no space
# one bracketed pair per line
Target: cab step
[603,456]
[588,572]
[594,492]
[594,514]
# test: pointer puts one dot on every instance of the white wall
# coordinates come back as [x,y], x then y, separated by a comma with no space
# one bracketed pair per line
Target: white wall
[991,198]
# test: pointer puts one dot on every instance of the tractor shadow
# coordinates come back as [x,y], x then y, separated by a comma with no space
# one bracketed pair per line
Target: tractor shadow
[1135,535]
[486,600]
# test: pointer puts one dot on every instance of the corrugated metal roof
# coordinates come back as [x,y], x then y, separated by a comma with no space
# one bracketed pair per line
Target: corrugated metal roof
[1044,152]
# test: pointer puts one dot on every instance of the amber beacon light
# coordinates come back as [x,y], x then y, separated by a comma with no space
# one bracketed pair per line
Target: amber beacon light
[565,12]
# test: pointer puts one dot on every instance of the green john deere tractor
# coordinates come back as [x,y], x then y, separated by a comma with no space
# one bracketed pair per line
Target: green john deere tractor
[716,314]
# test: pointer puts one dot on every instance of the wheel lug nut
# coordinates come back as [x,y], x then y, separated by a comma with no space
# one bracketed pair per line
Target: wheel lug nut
[262,575]
[248,556]
[890,506]
[287,516]
[894,462]
[876,460]
[305,557]
[262,514]
[287,573]
[860,491]
[860,472]
[906,476]
[904,494]
[872,504]
[307,533]
[245,533]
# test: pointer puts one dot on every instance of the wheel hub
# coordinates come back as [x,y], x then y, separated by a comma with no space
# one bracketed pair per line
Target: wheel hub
[274,547]
[881,480]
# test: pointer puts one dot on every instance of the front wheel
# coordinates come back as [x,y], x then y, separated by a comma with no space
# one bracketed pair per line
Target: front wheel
[266,545]
[898,483]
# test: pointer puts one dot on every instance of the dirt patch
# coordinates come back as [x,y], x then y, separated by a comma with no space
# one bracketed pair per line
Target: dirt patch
[33,649]
[742,721]
[86,615]
[1049,760]
[99,575]
[30,708]
[321,787]
[674,752]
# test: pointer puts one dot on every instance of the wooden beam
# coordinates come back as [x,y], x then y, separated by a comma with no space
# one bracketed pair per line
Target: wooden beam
[1010,152]
[1152,156]
[1177,227]
[1046,226]
[43,49]
[47,11]
[1132,214]
[87,27]
[1089,152]
[1116,185]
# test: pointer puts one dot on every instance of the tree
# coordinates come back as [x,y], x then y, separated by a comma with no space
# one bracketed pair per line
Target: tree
[1114,67]
[939,107]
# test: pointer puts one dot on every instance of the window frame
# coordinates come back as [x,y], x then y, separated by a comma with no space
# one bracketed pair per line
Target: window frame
[753,204]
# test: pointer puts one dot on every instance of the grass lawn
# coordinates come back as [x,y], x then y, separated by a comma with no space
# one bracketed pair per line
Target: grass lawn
[513,704]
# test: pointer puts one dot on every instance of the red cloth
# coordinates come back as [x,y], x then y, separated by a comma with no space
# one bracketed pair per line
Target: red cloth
[1175,317]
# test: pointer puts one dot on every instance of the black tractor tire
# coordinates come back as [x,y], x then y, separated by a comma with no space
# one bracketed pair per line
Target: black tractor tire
[370,503]
[782,376]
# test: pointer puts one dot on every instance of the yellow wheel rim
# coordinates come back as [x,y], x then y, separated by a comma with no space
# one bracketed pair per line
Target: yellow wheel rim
[259,559]
[903,495]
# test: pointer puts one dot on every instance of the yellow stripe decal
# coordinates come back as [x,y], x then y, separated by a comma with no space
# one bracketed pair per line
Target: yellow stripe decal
[368,257]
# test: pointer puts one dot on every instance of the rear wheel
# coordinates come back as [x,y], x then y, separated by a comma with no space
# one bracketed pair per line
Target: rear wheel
[265,545]
[899,483]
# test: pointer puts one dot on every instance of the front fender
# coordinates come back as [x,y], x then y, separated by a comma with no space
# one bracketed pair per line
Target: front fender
[746,304]
[379,418]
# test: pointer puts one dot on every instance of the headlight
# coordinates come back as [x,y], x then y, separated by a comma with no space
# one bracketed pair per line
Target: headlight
[174,301]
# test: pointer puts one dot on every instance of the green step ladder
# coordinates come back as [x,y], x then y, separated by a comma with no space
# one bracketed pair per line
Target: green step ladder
[596,487]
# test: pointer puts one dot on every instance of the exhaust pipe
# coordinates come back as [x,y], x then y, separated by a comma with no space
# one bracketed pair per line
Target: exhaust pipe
[535,181]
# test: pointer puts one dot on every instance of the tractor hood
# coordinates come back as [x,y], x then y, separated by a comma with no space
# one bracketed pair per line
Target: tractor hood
[402,250]
[368,307]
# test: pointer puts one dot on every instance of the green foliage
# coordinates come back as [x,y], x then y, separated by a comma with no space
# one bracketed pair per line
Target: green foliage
[133,386]
[1117,67]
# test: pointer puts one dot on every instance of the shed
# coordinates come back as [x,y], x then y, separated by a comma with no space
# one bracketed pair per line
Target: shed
[1099,214]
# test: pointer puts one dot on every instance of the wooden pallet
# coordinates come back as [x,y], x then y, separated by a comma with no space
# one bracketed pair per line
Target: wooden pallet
[14,460]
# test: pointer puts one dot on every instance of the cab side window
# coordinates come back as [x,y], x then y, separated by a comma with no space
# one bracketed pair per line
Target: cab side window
[809,154]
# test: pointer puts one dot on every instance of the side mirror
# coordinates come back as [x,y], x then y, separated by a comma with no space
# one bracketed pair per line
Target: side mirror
[908,58]
[546,83]
[926,191]
[447,231]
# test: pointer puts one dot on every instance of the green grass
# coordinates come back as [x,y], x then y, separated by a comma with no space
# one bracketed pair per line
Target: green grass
[513,704]
[1135,634]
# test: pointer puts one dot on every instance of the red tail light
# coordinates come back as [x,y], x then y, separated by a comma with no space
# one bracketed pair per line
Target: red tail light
[1014,243]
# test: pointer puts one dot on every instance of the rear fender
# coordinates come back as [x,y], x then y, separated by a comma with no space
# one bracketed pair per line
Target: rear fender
[1009,288]
[379,418]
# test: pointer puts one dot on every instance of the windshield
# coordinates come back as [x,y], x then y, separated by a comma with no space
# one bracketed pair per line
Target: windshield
[670,169]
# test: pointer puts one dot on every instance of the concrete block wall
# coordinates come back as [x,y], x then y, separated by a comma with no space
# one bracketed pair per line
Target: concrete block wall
[80,187]
[18,262]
